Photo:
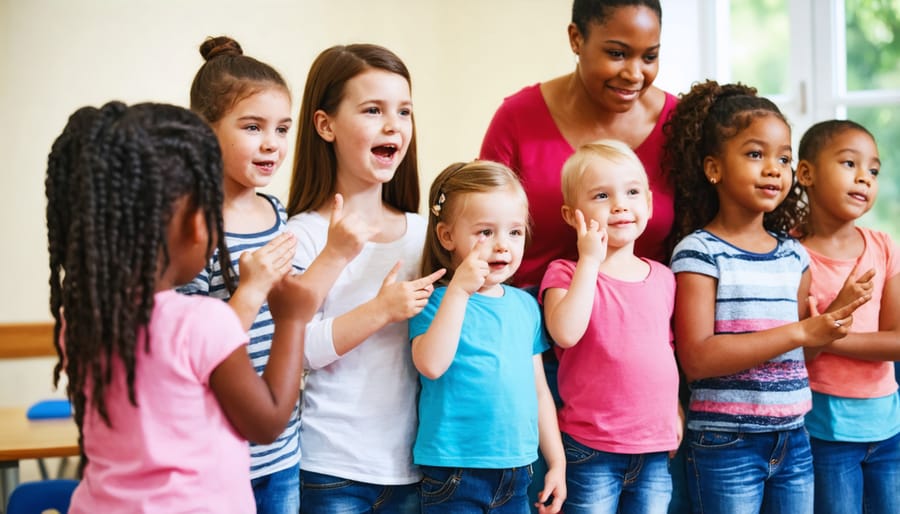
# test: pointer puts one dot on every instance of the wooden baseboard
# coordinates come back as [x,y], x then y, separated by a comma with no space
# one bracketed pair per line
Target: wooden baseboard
[21,340]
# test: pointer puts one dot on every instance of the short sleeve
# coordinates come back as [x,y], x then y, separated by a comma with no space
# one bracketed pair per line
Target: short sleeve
[558,275]
[420,323]
[693,255]
[214,333]
[541,340]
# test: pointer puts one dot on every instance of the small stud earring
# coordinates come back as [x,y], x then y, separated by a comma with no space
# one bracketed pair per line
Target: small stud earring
[713,181]
[577,58]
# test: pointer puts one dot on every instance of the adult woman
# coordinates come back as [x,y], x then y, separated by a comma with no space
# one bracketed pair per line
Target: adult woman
[608,95]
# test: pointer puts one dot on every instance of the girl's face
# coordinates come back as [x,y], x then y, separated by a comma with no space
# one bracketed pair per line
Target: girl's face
[617,196]
[371,129]
[499,217]
[753,172]
[618,59]
[843,179]
[253,137]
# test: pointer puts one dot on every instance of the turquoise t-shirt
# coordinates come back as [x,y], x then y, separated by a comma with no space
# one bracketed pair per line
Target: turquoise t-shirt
[482,412]
[853,420]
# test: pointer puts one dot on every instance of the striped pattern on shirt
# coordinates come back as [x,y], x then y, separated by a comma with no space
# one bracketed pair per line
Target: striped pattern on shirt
[753,292]
[265,459]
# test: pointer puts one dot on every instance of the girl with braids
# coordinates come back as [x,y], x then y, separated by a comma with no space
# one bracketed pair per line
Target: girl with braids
[163,390]
[854,424]
[741,287]
[485,405]
[357,141]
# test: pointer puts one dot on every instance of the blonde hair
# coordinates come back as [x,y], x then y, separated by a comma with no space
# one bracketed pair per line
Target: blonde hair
[606,149]
[447,196]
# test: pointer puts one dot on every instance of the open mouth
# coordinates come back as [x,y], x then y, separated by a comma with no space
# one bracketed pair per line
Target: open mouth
[860,197]
[385,151]
[265,165]
[497,264]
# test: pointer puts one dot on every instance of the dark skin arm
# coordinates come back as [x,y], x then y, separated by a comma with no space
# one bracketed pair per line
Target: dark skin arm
[259,407]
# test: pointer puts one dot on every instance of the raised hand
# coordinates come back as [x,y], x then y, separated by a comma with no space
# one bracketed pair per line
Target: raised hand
[591,238]
[347,232]
[854,287]
[291,300]
[403,300]
[261,268]
[474,269]
[821,329]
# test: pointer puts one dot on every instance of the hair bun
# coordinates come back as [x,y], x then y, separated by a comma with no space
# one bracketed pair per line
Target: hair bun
[222,45]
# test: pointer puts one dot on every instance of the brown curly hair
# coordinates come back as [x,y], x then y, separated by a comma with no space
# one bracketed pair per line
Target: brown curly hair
[705,118]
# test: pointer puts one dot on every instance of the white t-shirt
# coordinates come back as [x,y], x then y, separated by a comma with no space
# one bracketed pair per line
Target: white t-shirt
[358,419]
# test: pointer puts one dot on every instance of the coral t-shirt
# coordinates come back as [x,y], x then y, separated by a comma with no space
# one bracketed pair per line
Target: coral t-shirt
[176,451]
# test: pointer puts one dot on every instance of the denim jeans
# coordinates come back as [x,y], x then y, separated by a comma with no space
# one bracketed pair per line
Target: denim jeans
[855,478]
[278,493]
[475,491]
[744,473]
[326,494]
[600,482]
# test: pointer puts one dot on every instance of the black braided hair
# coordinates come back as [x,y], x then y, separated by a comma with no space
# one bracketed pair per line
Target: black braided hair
[704,119]
[113,177]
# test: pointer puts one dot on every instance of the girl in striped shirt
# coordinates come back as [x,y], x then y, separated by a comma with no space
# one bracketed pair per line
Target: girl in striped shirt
[741,292]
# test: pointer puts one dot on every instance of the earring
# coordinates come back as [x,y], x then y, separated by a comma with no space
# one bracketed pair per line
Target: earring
[577,58]
[713,181]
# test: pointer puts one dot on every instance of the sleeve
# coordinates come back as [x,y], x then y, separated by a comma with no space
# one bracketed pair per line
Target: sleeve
[499,144]
[282,225]
[891,254]
[215,333]
[692,255]
[541,340]
[558,275]
[420,323]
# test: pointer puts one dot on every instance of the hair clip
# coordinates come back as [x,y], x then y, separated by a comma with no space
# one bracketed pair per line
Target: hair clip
[436,208]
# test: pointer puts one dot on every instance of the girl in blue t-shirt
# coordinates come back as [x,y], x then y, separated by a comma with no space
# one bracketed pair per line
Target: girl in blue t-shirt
[742,286]
[484,403]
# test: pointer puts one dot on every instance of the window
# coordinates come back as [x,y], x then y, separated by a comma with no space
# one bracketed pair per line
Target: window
[819,59]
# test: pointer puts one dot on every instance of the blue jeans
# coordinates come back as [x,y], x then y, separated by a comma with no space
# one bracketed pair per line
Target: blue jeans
[326,494]
[475,491]
[855,478]
[600,482]
[278,493]
[750,473]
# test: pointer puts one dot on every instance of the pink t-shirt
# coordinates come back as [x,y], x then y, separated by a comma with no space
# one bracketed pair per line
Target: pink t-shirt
[524,136]
[619,384]
[176,451]
[844,376]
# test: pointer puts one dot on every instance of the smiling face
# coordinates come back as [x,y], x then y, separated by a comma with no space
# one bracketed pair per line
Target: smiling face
[615,193]
[501,218]
[253,137]
[618,59]
[753,172]
[371,128]
[842,181]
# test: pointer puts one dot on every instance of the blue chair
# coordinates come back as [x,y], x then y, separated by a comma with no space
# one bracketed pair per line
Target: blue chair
[36,497]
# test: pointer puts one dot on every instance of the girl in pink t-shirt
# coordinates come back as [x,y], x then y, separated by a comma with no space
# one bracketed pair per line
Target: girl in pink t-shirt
[609,314]
[163,390]
[854,424]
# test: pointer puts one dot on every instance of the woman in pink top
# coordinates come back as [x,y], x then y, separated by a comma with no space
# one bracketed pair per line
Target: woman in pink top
[610,94]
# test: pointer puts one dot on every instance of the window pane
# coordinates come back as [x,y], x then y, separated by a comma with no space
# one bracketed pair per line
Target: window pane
[884,122]
[873,44]
[760,58]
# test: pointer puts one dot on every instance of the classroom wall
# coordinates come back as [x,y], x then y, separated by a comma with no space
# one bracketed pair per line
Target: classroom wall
[58,55]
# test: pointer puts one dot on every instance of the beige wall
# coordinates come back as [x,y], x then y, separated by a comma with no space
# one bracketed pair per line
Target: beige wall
[58,55]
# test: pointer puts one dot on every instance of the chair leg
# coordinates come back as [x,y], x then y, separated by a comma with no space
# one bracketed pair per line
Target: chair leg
[43,469]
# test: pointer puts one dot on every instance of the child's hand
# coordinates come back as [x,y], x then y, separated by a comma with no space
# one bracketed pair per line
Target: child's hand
[260,269]
[291,300]
[821,329]
[555,489]
[403,300]
[347,233]
[854,287]
[591,238]
[473,270]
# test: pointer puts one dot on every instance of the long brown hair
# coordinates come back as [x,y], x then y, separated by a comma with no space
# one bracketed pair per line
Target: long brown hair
[315,164]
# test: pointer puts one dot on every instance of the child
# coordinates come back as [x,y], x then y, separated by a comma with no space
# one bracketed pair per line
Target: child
[248,105]
[741,288]
[617,374]
[357,139]
[855,419]
[484,402]
[163,391]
